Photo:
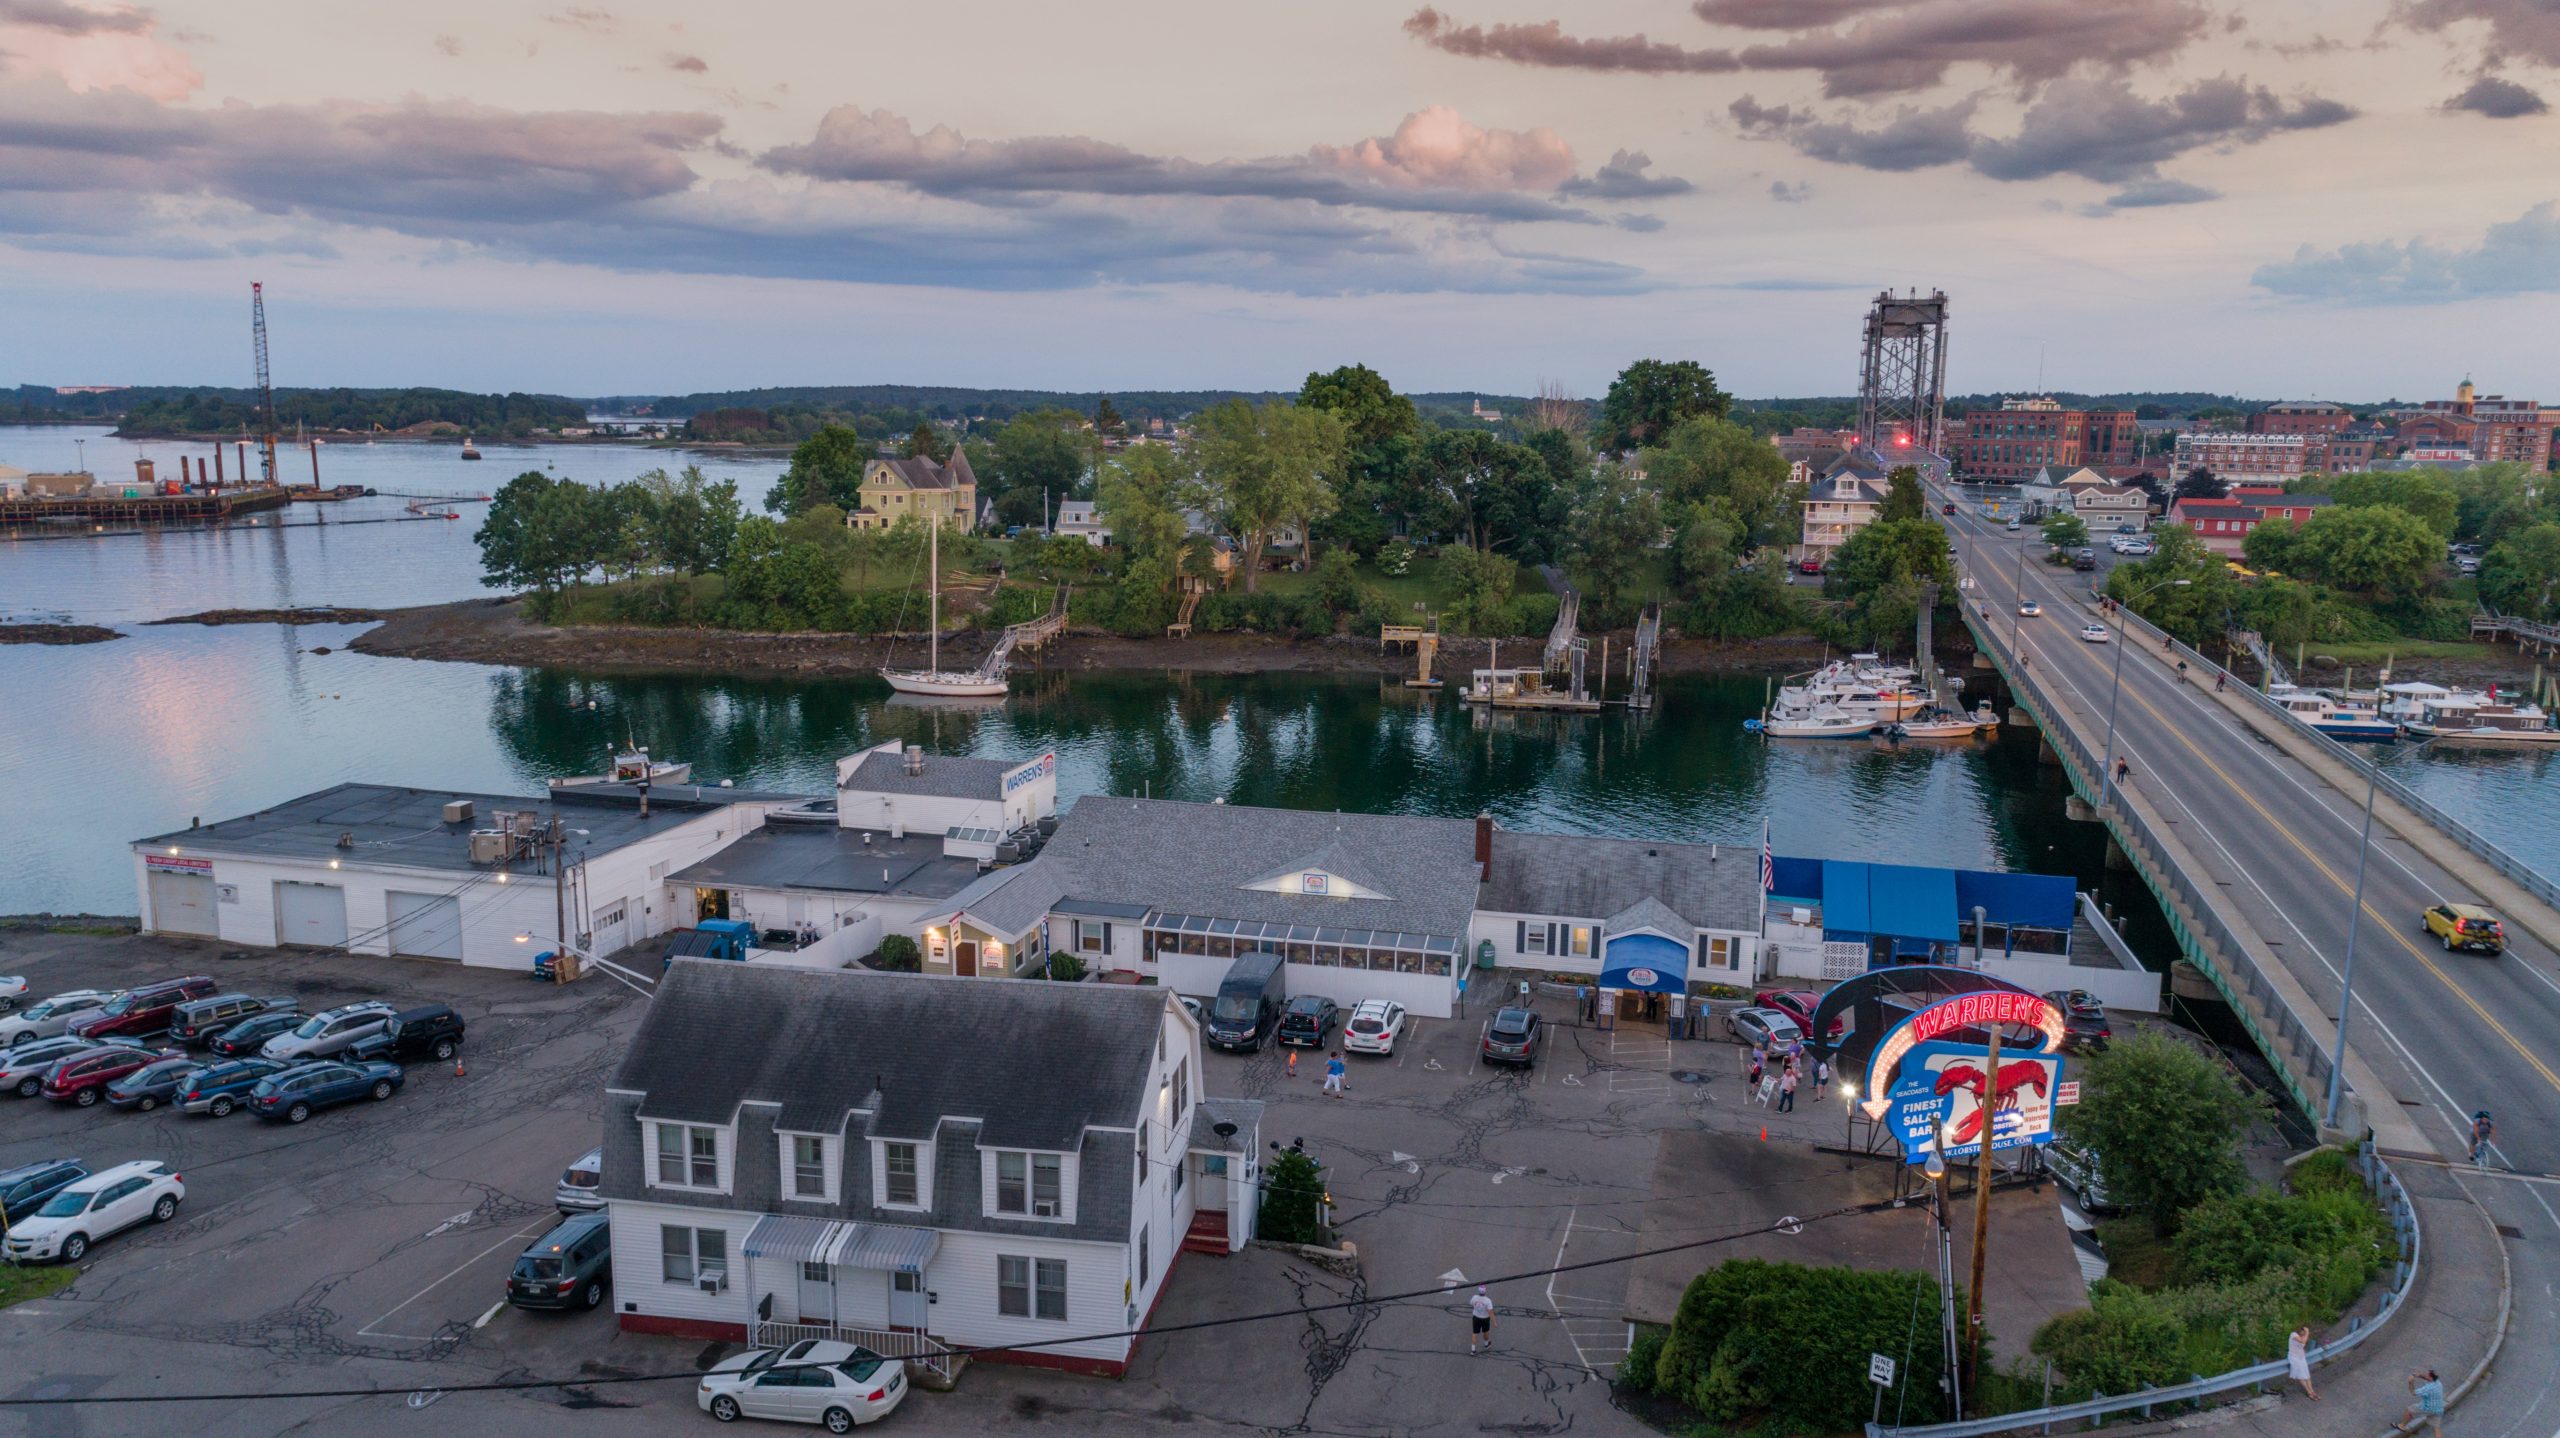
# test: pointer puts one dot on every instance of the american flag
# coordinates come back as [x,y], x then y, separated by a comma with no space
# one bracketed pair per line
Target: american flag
[1768,862]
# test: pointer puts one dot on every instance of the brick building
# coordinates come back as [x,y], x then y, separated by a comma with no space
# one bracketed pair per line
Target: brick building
[2034,432]
[2490,426]
[2241,457]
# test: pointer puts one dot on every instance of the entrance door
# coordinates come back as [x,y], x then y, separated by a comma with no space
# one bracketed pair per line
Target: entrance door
[182,904]
[964,958]
[907,1301]
[817,1293]
[311,915]
[710,904]
[426,926]
[1212,1197]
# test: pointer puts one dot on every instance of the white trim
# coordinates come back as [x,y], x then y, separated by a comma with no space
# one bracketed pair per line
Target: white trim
[988,1161]
[880,1175]
[721,1156]
[830,1167]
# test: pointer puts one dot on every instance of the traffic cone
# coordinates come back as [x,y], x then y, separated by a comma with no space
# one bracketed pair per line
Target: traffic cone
[457,1066]
[1764,1133]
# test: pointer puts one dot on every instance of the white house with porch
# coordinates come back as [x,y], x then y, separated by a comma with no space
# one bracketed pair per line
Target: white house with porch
[915,1164]
[1636,915]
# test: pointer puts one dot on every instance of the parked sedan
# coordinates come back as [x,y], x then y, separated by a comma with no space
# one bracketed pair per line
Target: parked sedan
[95,1207]
[1513,1038]
[22,1069]
[25,1188]
[1799,1005]
[13,987]
[1764,1028]
[581,1185]
[83,1079]
[152,1085]
[53,1017]
[225,1084]
[251,1034]
[298,1093]
[1308,1019]
[331,1031]
[1374,1028]
[814,1381]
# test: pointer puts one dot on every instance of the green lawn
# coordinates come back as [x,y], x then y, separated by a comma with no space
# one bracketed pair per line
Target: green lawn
[2136,1255]
[19,1284]
[1419,584]
[1652,576]
[2361,654]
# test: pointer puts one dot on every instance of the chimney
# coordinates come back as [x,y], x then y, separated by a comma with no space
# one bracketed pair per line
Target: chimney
[1484,846]
[915,758]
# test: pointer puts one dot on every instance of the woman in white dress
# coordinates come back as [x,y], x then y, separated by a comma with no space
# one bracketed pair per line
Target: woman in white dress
[2297,1361]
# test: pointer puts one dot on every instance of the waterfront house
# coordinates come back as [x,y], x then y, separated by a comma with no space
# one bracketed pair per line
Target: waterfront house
[1842,502]
[1079,519]
[893,489]
[914,1164]
[1635,914]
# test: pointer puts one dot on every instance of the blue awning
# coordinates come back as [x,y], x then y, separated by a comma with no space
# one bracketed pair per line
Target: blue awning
[1911,903]
[1648,963]
[1844,897]
[2034,901]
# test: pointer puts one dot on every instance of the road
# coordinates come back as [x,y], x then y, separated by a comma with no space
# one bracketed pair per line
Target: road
[2449,1033]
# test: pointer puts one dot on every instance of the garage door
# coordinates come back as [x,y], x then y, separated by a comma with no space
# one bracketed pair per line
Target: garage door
[311,915]
[613,927]
[182,904]
[426,926]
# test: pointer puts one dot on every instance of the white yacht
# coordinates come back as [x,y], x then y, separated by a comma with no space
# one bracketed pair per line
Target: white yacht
[2333,715]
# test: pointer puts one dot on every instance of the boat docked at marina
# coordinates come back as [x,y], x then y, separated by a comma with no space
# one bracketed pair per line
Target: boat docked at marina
[1822,721]
[1948,723]
[2505,725]
[2333,714]
[633,766]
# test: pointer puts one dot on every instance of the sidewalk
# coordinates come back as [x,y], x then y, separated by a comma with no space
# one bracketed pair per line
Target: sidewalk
[2453,1322]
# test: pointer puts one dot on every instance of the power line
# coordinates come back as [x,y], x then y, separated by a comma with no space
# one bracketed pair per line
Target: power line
[1788,1225]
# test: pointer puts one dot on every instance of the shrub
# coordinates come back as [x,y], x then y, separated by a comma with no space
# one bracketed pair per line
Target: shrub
[1791,1343]
[898,954]
[1292,1210]
[1065,968]
[1644,1353]
[1396,558]
[2122,1341]
[1337,583]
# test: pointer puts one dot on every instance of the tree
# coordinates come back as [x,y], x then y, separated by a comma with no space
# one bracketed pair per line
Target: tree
[1040,459]
[2430,497]
[2285,612]
[2377,550]
[1370,410]
[1479,589]
[1145,494]
[1492,493]
[1107,420]
[1881,572]
[691,521]
[1614,526]
[2066,530]
[1383,435]
[1650,397]
[2193,611]
[1903,496]
[2520,575]
[2200,483]
[2167,1122]
[2274,547]
[1710,457]
[1266,466]
[543,533]
[826,468]
[927,443]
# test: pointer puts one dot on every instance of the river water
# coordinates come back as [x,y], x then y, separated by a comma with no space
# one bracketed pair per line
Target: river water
[105,743]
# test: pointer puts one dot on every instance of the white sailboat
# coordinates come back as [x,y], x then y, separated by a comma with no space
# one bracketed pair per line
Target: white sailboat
[984,682]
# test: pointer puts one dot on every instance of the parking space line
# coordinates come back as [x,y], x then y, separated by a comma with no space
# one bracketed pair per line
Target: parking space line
[371,1330]
[1477,1059]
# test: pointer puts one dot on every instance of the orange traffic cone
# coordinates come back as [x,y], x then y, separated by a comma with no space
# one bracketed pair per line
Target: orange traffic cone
[1764,1133]
[457,1065]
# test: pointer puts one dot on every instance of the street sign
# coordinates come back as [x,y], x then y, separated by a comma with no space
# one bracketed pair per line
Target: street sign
[1946,1085]
[2066,1093]
[1880,1370]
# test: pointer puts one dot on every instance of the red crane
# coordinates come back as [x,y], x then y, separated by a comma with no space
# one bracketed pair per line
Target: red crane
[266,387]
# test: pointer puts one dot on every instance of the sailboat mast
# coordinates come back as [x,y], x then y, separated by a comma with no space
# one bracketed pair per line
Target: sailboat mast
[933,594]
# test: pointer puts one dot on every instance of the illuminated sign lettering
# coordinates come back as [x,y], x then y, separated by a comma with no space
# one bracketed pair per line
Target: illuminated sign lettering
[1965,1011]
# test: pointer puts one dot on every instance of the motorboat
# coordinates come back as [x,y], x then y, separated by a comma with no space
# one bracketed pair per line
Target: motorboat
[2331,714]
[984,682]
[2509,725]
[1948,723]
[469,450]
[1822,721]
[634,766]
[2410,701]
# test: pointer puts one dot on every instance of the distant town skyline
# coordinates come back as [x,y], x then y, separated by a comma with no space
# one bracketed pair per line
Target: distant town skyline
[2282,200]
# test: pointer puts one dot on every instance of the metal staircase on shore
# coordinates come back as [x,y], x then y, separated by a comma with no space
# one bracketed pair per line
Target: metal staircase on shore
[1030,634]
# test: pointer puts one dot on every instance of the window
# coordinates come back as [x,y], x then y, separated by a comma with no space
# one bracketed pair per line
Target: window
[1093,936]
[1582,941]
[688,1156]
[899,1181]
[808,1166]
[1031,1287]
[685,1254]
[1143,1235]
[1030,1184]
[1181,1091]
[1533,938]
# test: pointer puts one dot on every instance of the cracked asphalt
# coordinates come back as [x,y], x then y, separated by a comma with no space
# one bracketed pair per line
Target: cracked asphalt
[367,1248]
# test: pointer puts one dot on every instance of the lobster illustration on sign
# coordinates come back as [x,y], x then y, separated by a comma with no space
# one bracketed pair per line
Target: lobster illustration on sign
[2026,1073]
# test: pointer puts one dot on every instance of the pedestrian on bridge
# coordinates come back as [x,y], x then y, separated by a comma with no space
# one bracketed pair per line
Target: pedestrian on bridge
[2123,770]
[2297,1360]
[2426,1400]
[2483,1129]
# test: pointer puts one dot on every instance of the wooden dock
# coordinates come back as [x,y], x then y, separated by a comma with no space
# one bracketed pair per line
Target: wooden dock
[142,509]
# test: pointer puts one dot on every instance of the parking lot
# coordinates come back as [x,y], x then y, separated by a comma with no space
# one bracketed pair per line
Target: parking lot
[367,1248]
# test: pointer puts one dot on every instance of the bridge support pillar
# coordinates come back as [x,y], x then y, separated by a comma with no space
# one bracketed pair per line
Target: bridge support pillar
[2021,719]
[1982,660]
[2081,809]
[2045,753]
[2117,860]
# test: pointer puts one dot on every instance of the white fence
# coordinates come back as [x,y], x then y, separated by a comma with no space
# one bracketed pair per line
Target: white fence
[914,1349]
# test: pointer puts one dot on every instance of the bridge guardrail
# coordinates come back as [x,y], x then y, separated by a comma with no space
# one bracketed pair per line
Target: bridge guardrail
[2386,1188]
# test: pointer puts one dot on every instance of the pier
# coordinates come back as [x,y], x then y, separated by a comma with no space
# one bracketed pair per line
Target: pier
[193,508]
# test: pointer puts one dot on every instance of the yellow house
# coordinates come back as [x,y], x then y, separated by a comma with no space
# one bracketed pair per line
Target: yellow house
[893,489]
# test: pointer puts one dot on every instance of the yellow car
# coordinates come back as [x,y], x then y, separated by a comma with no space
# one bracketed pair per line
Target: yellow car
[2466,926]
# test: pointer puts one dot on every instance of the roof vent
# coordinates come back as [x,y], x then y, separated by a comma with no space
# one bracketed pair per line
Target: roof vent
[346,839]
[915,758]
[457,811]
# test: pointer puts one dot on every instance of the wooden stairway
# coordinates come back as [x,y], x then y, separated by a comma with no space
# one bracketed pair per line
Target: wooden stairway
[1208,1234]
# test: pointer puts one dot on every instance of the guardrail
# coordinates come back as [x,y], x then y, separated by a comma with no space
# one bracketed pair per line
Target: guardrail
[2193,907]
[2386,1189]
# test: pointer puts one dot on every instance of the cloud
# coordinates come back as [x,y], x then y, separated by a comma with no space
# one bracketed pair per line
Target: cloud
[592,21]
[688,64]
[1885,47]
[1624,178]
[1435,163]
[87,49]
[1789,194]
[2499,99]
[449,45]
[2518,29]
[64,18]
[2098,129]
[2517,257]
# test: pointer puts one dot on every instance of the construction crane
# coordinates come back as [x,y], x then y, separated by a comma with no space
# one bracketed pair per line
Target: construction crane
[266,386]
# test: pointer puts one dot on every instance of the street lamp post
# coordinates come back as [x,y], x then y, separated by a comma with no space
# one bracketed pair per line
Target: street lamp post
[2107,765]
[2355,921]
[82,446]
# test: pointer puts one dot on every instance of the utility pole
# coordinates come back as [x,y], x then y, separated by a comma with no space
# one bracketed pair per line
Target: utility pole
[559,889]
[1981,1213]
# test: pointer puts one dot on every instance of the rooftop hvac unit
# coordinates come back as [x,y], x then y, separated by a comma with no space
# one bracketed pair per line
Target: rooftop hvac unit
[915,758]
[457,811]
[489,846]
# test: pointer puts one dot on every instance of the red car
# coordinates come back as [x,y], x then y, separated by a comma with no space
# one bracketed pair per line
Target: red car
[83,1079]
[145,1010]
[1799,1004]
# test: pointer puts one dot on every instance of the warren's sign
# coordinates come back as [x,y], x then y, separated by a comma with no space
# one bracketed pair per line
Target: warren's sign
[1947,1016]
[1951,1086]
[1044,767]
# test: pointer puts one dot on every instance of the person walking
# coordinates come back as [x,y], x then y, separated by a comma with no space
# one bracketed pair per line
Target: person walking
[1759,1065]
[1333,1074]
[2297,1361]
[2426,1400]
[2219,679]
[1479,1321]
[1787,1088]
[2483,1129]
[1582,1001]
[1293,1061]
[2122,770]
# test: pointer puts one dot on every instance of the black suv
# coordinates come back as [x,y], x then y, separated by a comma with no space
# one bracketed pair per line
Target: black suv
[1512,1038]
[198,1020]
[25,1188]
[569,1267]
[431,1030]
[2084,1019]
[1308,1019]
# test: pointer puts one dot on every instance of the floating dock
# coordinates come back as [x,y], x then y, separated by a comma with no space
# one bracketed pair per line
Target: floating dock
[143,508]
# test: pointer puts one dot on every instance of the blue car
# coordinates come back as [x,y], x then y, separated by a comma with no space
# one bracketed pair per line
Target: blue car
[219,1087]
[303,1090]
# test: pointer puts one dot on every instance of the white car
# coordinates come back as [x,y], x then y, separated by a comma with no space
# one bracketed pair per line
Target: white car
[53,1016]
[1374,1028]
[331,1031]
[2094,633]
[812,1381]
[103,1204]
[12,989]
[2029,609]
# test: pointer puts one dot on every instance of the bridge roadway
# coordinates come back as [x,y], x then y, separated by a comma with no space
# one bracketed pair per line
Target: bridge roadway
[2442,1034]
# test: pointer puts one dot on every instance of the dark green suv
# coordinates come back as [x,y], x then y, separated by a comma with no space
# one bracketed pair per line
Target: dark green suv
[569,1267]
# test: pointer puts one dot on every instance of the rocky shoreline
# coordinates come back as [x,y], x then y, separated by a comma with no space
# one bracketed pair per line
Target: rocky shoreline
[56,634]
[307,614]
[497,631]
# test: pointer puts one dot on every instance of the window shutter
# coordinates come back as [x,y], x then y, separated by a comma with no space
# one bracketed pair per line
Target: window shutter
[1554,931]
[1520,939]
[1106,939]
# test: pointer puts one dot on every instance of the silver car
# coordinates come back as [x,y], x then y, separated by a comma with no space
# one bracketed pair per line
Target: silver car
[23,1067]
[47,1019]
[330,1032]
[581,1187]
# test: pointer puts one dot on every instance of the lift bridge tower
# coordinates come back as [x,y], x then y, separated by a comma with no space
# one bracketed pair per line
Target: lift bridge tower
[1902,379]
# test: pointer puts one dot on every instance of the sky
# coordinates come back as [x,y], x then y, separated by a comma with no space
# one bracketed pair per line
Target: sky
[2350,199]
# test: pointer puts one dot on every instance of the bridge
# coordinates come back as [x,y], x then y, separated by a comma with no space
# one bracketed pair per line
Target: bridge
[2248,828]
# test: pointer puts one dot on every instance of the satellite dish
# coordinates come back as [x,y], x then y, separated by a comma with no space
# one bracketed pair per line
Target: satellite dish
[1223,1129]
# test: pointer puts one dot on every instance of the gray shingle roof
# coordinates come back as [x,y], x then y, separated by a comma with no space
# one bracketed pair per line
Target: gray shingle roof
[945,776]
[1647,913]
[1197,858]
[1035,1063]
[1244,1113]
[1580,876]
[404,828]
